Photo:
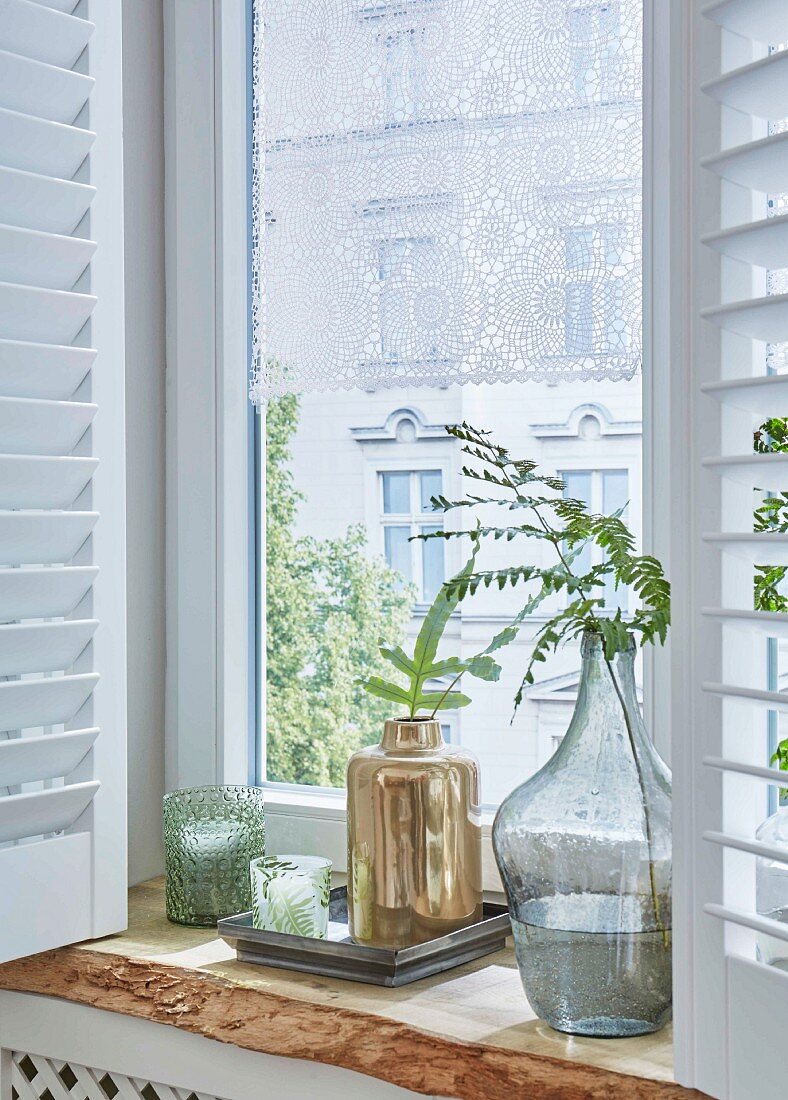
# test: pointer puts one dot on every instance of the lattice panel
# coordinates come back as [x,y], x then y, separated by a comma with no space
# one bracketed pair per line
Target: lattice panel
[36,1078]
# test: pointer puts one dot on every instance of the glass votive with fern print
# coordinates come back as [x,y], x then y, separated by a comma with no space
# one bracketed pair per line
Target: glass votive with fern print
[291,895]
[211,835]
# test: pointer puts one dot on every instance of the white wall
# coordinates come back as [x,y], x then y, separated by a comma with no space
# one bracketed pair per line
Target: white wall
[143,114]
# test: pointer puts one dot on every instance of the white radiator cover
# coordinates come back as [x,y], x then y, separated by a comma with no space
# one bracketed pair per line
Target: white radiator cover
[37,1078]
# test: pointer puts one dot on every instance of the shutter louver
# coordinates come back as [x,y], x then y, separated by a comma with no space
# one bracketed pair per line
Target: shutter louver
[762,243]
[29,759]
[759,165]
[761,20]
[771,624]
[759,318]
[37,145]
[760,89]
[34,88]
[62,659]
[760,396]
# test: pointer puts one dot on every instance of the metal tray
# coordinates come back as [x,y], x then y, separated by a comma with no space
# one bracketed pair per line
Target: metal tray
[339,957]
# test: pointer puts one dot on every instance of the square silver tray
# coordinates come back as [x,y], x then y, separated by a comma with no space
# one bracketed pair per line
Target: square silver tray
[339,957]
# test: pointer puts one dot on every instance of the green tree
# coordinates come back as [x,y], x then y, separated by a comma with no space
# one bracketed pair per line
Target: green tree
[328,605]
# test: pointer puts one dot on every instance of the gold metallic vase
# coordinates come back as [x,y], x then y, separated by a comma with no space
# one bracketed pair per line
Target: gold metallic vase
[414,837]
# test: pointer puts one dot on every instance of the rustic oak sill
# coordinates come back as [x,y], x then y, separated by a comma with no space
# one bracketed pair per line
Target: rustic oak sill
[468,1034]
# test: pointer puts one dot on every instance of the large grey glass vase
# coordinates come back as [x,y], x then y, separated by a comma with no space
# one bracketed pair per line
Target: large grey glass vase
[584,851]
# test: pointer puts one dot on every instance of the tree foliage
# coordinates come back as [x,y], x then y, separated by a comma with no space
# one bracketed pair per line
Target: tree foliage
[772,515]
[327,603]
[537,511]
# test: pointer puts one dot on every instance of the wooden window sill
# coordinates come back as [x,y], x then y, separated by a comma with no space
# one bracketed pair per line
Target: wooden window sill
[467,1034]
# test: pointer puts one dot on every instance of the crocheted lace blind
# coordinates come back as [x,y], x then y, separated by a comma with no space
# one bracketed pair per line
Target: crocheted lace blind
[445,191]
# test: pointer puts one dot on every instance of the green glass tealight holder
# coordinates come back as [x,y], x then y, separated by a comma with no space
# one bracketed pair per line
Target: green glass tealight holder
[211,835]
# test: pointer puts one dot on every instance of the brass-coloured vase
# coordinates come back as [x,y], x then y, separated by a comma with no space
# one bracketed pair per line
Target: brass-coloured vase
[414,837]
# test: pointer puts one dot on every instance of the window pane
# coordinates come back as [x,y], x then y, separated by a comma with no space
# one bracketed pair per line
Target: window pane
[398,553]
[579,487]
[615,491]
[404,72]
[579,319]
[400,262]
[431,485]
[432,564]
[615,597]
[580,249]
[396,493]
[615,495]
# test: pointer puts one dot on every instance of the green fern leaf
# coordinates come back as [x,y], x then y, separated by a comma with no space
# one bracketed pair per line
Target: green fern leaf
[383,689]
[399,658]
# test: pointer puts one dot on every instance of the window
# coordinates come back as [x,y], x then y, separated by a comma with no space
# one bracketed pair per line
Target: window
[586,23]
[323,460]
[403,72]
[421,192]
[400,260]
[586,253]
[406,513]
[605,492]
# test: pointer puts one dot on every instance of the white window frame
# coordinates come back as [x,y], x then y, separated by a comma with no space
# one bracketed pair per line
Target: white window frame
[207,420]
[673,523]
[209,608]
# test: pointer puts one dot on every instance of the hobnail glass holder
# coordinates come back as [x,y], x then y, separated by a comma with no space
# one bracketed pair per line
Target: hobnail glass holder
[211,835]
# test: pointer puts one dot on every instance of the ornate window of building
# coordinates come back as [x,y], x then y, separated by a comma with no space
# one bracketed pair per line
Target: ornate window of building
[406,512]
[605,492]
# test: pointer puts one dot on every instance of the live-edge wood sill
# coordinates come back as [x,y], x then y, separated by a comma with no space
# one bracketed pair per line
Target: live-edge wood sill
[469,1033]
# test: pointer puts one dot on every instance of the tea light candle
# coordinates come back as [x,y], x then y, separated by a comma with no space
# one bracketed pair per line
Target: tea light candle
[291,895]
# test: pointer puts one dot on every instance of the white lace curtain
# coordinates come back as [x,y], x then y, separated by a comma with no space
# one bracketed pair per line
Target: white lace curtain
[445,191]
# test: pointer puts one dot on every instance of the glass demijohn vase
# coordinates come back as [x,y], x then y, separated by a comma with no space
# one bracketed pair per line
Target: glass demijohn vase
[211,835]
[584,850]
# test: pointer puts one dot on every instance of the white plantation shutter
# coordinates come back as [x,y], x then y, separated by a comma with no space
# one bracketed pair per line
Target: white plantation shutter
[732,1010]
[62,625]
